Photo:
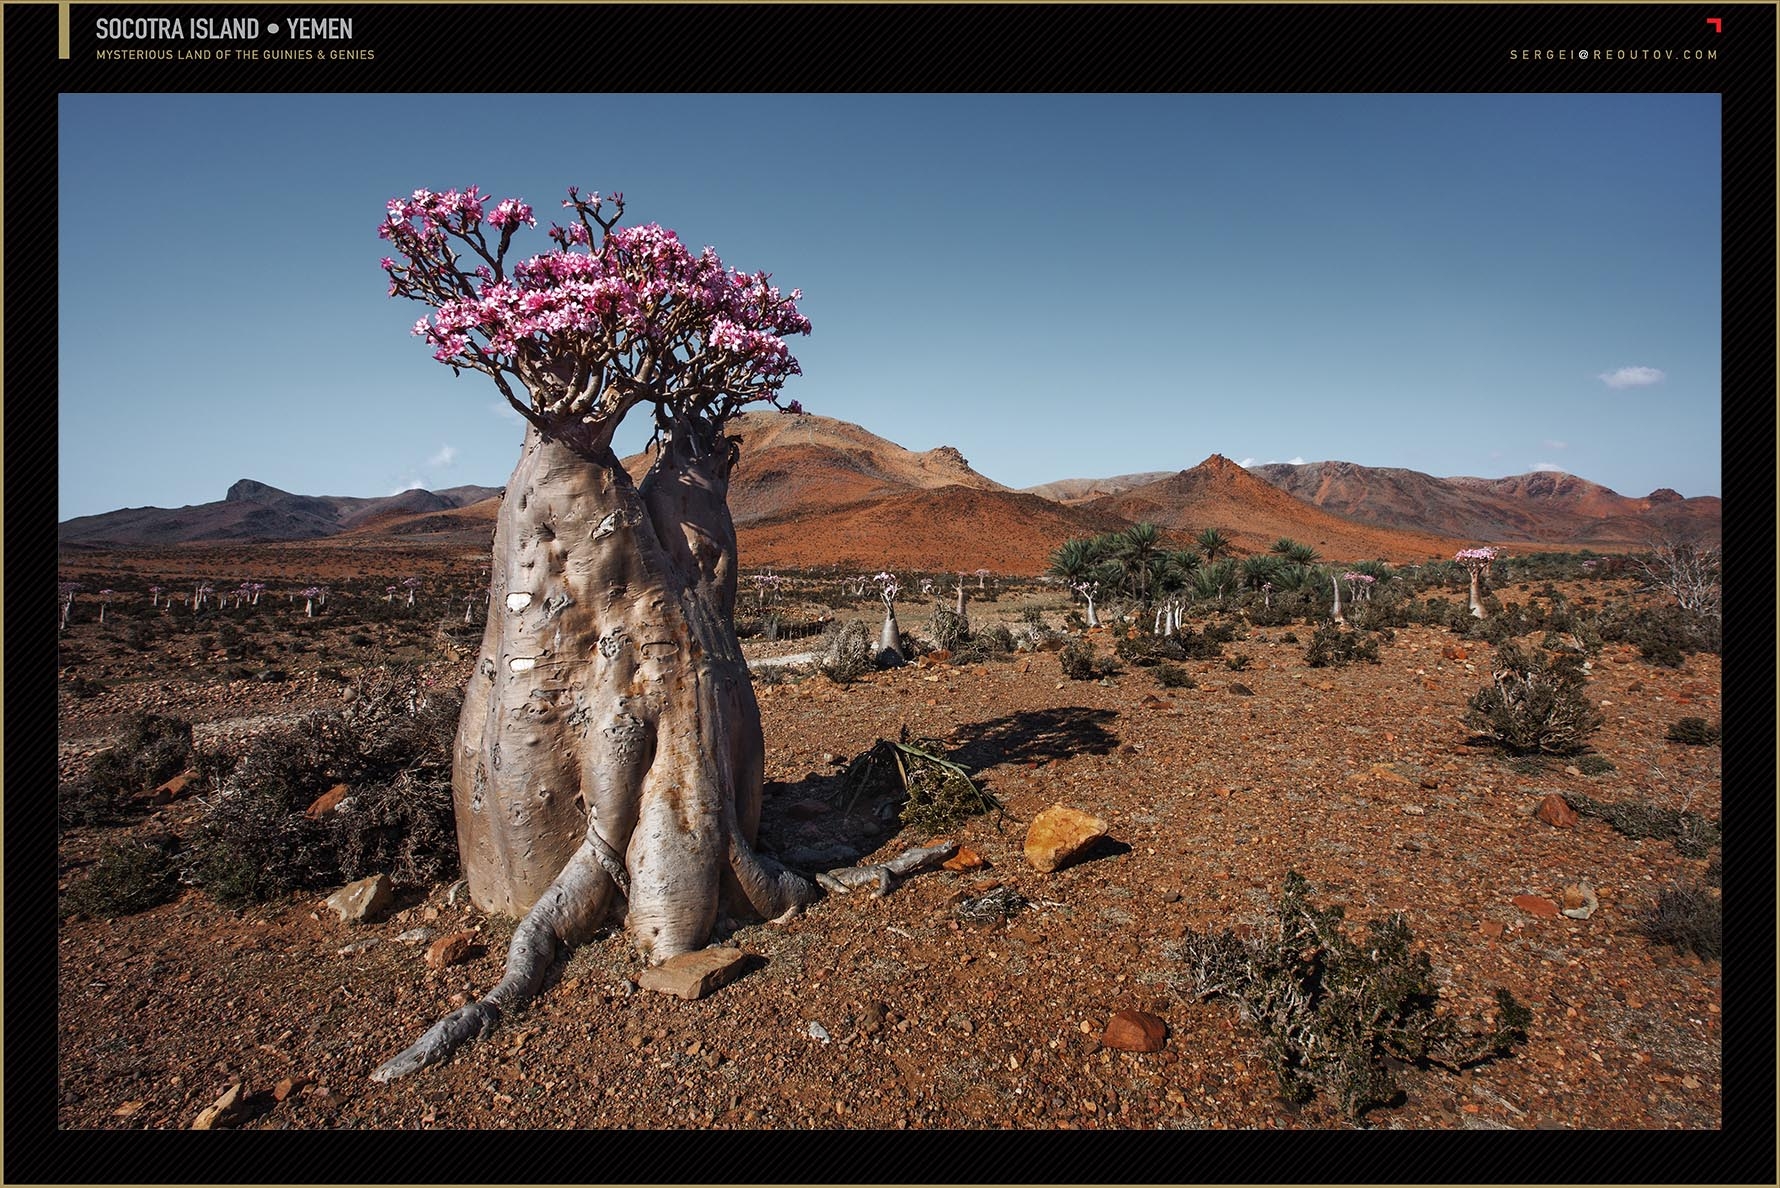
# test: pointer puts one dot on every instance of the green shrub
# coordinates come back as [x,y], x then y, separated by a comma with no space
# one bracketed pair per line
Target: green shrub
[1081,664]
[128,878]
[1173,676]
[1239,662]
[1695,732]
[1594,765]
[1534,703]
[1333,1012]
[1331,647]
[1144,649]
[1686,918]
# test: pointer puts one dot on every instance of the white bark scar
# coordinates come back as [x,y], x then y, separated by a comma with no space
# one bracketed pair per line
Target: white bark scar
[522,663]
[606,527]
[518,601]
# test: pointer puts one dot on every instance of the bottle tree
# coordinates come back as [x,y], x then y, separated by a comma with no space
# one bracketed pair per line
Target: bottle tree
[610,747]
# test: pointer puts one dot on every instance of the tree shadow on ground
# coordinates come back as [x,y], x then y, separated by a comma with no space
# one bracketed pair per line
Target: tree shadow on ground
[1037,736]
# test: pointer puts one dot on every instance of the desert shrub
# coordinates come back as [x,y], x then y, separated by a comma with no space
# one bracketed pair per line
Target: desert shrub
[87,688]
[1663,635]
[1173,676]
[1333,1011]
[1511,622]
[1594,765]
[1331,647]
[1143,649]
[1695,732]
[937,792]
[1034,620]
[1694,835]
[1239,662]
[1081,664]
[404,828]
[392,746]
[948,628]
[987,644]
[1534,703]
[129,877]
[1686,918]
[847,652]
[154,748]
[1289,637]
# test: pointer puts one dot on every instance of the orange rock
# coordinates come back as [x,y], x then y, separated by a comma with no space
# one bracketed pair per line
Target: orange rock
[1059,834]
[1134,1031]
[1555,810]
[965,859]
[1492,928]
[327,802]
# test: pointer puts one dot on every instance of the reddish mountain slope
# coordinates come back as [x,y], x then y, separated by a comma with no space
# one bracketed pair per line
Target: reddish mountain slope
[1544,507]
[1254,514]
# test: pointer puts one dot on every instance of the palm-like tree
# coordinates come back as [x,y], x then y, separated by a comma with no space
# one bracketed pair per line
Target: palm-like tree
[1214,545]
[1296,553]
[1133,551]
[1072,560]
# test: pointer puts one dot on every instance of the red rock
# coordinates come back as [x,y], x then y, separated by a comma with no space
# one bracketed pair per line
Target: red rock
[1536,905]
[694,975]
[290,1085]
[1058,834]
[1453,652]
[1555,810]
[1492,928]
[449,950]
[806,810]
[1134,1031]
[328,802]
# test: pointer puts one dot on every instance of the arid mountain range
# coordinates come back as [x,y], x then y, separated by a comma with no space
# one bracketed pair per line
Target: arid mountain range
[812,490]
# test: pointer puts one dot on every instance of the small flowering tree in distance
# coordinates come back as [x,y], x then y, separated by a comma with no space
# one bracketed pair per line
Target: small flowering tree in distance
[310,596]
[411,584]
[65,591]
[610,747]
[1360,584]
[1477,561]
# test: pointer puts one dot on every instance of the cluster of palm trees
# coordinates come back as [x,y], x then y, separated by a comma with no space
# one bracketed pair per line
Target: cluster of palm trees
[1137,565]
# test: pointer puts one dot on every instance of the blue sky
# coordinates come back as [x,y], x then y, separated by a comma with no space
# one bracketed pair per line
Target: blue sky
[1058,286]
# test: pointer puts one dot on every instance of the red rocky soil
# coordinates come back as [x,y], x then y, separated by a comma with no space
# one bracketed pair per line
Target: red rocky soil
[892,1013]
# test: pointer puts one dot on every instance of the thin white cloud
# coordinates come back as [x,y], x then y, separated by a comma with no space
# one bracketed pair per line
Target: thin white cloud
[445,457]
[1549,466]
[1632,377]
[1246,463]
[506,412]
[1295,461]
[410,485]
[1549,444]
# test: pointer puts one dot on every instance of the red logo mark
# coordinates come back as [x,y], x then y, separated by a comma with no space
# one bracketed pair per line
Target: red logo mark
[1717,24]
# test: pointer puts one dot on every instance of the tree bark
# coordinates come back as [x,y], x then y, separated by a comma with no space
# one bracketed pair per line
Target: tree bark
[610,747]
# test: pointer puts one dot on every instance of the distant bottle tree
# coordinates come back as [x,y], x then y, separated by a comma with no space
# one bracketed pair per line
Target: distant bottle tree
[610,747]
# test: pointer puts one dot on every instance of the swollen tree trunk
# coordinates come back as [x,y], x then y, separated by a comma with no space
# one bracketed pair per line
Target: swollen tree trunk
[890,641]
[1476,598]
[1337,612]
[610,749]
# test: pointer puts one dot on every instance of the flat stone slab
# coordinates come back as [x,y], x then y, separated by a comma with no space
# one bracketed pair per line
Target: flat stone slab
[363,901]
[694,975]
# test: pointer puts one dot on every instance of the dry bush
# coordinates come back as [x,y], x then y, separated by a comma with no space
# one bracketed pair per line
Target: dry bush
[1533,704]
[392,746]
[1333,1011]
[848,651]
[1686,918]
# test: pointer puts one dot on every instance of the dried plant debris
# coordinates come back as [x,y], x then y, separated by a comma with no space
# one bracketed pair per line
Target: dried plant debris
[1334,1011]
[992,907]
[937,793]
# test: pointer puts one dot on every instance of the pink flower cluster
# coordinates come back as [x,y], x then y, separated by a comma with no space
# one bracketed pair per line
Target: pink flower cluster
[1478,556]
[640,290]
[1364,578]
